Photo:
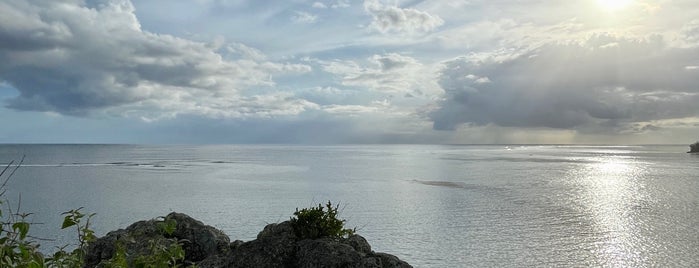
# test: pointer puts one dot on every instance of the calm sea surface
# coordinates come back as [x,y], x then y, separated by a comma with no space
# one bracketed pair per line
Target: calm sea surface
[433,206]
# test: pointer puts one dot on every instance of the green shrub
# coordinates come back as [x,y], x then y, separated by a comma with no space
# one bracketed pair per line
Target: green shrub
[320,221]
[161,256]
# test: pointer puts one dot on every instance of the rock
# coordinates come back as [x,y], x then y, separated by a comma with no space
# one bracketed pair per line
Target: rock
[103,248]
[276,246]
[199,241]
[359,244]
[136,240]
[325,252]
[389,261]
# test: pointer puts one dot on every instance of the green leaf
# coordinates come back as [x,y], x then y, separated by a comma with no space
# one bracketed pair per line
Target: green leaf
[68,222]
[24,252]
[168,226]
[22,228]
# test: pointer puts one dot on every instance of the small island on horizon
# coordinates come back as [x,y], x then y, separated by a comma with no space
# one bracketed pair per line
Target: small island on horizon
[694,147]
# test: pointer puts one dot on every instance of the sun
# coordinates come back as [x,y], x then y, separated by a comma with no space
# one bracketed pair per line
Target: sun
[614,5]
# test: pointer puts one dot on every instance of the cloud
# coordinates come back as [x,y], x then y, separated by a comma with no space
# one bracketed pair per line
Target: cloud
[690,32]
[334,5]
[326,96]
[387,18]
[319,5]
[340,4]
[389,73]
[304,17]
[603,81]
[75,59]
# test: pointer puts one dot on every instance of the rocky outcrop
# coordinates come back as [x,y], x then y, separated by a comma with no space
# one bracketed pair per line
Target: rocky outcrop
[199,241]
[276,246]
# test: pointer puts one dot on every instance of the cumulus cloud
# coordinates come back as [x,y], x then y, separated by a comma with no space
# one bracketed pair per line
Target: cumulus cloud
[73,58]
[603,80]
[389,73]
[386,18]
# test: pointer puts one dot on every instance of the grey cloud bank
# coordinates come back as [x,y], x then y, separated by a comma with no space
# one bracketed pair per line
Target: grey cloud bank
[605,80]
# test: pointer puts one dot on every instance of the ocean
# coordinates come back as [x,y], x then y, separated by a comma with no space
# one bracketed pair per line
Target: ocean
[430,205]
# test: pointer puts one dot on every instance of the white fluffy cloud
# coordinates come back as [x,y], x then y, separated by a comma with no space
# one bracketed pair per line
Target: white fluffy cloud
[387,18]
[71,58]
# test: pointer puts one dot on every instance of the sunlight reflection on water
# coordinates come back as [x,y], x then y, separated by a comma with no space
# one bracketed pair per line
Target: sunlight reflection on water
[611,191]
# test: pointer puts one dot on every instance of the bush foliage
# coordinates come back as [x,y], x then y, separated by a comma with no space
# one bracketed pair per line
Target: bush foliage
[318,222]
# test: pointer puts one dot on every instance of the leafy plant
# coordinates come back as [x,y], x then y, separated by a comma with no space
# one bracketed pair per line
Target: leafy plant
[118,260]
[161,256]
[17,248]
[167,226]
[75,258]
[320,221]
[74,218]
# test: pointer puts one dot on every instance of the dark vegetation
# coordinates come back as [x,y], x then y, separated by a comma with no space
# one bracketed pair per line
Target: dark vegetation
[320,221]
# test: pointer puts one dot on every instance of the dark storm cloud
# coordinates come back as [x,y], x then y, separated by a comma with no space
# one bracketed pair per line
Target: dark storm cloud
[603,79]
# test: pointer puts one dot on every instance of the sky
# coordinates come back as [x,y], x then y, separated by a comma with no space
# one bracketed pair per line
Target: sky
[349,71]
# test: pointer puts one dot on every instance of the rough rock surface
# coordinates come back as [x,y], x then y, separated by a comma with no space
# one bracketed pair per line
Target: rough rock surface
[199,241]
[276,246]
